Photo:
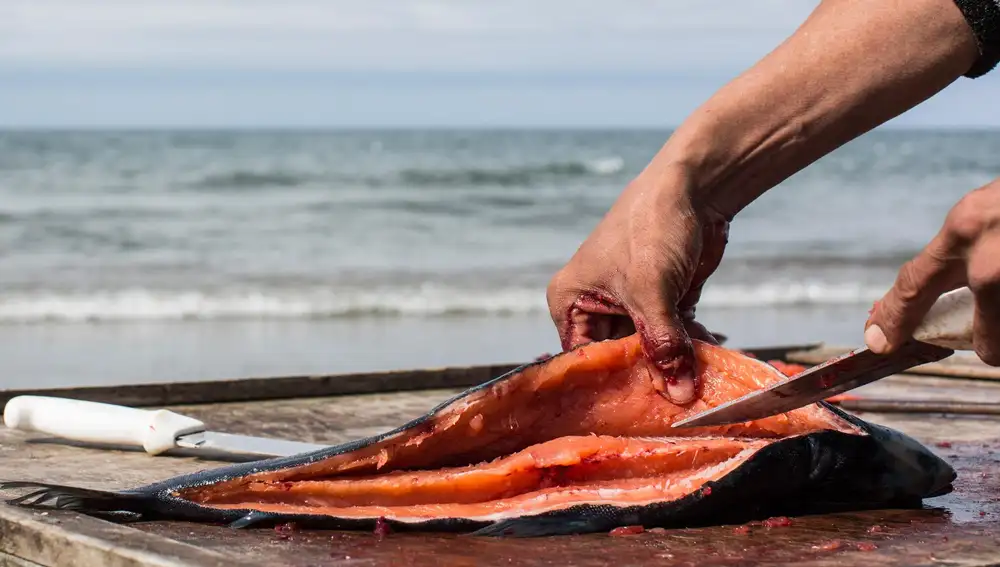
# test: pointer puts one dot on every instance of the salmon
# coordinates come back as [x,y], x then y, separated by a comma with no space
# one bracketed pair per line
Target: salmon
[575,443]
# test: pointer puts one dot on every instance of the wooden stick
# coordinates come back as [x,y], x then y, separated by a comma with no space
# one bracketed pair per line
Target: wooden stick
[920,406]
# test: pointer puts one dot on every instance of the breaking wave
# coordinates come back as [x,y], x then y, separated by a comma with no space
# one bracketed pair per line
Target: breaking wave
[422,301]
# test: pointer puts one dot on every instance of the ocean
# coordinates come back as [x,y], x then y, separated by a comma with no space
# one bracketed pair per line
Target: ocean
[131,257]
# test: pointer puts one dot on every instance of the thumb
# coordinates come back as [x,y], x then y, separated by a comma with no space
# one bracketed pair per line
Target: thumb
[918,285]
[666,343]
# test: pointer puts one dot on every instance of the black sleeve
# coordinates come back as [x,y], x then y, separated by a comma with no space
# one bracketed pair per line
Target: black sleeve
[984,19]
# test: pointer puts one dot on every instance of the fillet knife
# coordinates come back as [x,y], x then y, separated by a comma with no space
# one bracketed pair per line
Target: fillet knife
[947,327]
[155,431]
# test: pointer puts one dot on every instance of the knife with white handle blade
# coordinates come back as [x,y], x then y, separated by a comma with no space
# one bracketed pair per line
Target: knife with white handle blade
[947,327]
[155,431]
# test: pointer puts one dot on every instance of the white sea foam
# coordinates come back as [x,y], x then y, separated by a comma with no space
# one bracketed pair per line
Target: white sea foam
[606,166]
[422,301]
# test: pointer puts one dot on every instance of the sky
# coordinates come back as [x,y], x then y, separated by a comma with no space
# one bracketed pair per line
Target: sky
[397,63]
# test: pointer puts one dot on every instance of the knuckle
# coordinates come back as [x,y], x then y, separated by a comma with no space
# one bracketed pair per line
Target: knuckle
[969,217]
[907,287]
[557,289]
[983,270]
[985,279]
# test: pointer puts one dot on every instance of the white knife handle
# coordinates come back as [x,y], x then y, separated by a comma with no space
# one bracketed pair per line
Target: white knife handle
[948,323]
[154,431]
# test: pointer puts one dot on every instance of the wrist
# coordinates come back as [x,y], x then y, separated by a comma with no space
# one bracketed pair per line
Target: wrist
[684,170]
[678,182]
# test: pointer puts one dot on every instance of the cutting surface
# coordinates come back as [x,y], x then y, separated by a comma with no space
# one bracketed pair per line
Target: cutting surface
[962,528]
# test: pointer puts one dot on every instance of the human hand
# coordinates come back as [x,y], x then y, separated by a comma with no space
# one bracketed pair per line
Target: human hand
[642,270]
[965,252]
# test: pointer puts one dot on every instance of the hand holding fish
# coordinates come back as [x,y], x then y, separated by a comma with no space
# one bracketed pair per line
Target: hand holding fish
[643,269]
[851,66]
[965,252]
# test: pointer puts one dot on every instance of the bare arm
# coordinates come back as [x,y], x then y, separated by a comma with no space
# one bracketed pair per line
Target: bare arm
[853,65]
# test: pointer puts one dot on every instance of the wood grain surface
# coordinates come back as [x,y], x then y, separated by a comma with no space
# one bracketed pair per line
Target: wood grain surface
[962,528]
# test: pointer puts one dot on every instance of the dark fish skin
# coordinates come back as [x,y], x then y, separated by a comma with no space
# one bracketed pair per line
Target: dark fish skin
[820,472]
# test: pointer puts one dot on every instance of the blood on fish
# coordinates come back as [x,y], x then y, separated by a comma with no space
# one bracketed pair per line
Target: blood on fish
[382,528]
[867,546]
[627,530]
[777,522]
[284,531]
[944,444]
[287,527]
[706,491]
[741,530]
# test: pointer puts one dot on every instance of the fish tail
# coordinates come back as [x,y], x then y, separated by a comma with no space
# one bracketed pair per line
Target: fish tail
[55,496]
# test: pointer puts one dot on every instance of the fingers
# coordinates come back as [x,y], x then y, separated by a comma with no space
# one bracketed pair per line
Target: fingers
[696,330]
[665,338]
[986,326]
[984,282]
[596,317]
[935,270]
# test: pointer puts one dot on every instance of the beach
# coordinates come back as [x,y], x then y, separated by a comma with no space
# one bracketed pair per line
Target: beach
[136,257]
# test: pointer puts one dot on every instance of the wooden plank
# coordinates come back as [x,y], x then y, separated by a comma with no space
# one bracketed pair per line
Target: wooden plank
[959,365]
[11,561]
[65,539]
[912,537]
[285,387]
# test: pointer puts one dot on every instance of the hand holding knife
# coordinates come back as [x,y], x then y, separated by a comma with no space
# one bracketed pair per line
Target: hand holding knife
[947,327]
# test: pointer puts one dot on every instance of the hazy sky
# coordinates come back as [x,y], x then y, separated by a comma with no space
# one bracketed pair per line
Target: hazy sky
[396,62]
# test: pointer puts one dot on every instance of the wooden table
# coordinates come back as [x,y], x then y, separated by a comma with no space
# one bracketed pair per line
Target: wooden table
[962,528]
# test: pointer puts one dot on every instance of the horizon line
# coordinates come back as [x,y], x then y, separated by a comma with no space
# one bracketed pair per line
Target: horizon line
[10,128]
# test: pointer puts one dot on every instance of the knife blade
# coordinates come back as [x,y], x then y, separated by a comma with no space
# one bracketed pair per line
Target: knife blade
[231,443]
[847,372]
[155,431]
[946,327]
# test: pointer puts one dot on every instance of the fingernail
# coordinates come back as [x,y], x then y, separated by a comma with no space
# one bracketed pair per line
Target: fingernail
[875,339]
[680,389]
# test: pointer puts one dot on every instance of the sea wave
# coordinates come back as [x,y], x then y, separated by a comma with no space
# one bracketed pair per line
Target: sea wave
[513,175]
[251,180]
[422,301]
[790,294]
[143,304]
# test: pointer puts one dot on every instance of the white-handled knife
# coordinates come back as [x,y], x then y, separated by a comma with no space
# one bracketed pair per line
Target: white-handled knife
[155,431]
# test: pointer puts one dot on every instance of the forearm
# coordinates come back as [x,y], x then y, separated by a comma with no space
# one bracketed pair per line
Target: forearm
[853,65]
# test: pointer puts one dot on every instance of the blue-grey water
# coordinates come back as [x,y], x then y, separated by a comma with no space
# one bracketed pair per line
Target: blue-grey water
[148,256]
